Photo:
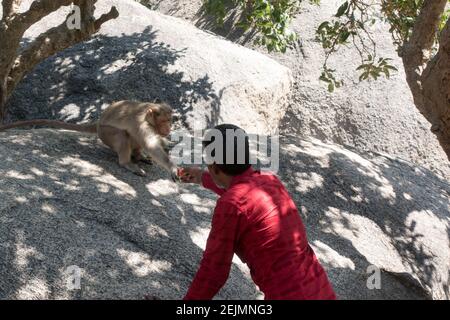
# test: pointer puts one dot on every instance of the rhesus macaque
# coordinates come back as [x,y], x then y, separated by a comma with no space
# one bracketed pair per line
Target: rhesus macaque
[134,130]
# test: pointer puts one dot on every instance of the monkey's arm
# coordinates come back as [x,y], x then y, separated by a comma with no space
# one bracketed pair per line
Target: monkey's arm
[154,148]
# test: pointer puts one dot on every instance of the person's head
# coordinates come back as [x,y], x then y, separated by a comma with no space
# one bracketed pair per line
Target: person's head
[228,147]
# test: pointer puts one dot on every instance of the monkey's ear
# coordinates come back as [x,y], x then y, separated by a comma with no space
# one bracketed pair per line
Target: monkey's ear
[154,110]
[150,115]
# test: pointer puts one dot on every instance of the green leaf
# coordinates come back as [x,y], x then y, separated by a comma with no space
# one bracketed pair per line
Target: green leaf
[363,66]
[342,9]
[364,76]
[331,87]
[391,67]
[323,25]
[344,36]
[374,74]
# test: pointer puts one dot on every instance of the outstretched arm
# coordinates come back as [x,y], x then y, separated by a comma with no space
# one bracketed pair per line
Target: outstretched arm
[217,258]
[152,145]
[199,176]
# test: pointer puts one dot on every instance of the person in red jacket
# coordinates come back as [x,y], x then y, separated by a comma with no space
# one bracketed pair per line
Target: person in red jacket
[255,218]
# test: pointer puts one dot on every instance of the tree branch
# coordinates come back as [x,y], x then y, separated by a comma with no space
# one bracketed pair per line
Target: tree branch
[112,14]
[38,10]
[51,42]
[424,33]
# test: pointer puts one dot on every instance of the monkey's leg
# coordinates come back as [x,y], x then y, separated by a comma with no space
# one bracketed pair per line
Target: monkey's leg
[143,158]
[124,154]
[119,141]
[137,155]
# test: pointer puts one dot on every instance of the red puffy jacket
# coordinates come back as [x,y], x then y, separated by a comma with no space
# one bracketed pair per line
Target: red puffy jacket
[257,219]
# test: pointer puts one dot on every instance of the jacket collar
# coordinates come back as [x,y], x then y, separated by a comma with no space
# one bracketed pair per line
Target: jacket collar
[242,176]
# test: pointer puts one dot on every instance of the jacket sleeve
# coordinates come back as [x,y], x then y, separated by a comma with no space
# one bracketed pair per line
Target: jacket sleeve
[208,183]
[217,258]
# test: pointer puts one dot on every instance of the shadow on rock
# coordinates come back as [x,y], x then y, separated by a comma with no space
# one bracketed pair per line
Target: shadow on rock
[78,83]
[65,204]
[371,210]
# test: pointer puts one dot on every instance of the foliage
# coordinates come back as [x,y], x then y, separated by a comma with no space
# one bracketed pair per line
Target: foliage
[270,18]
[401,15]
[350,26]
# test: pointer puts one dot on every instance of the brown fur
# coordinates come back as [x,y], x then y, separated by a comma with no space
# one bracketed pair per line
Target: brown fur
[129,128]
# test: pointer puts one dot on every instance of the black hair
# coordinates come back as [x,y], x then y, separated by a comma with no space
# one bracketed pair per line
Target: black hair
[234,168]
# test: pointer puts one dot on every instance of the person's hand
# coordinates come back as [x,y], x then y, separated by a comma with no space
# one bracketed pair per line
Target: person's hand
[190,175]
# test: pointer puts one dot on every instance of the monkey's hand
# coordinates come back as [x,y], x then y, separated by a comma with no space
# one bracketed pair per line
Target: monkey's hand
[174,174]
[167,144]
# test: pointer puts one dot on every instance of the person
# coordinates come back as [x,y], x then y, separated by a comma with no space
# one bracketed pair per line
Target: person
[255,218]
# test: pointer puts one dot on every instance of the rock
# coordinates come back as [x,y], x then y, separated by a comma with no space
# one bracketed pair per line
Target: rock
[376,116]
[67,207]
[65,202]
[144,55]
[369,209]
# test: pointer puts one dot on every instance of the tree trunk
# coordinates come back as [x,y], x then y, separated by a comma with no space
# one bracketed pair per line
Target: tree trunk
[429,79]
[14,65]
[3,99]
[436,91]
[431,92]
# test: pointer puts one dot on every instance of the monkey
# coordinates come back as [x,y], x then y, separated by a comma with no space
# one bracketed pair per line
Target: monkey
[134,130]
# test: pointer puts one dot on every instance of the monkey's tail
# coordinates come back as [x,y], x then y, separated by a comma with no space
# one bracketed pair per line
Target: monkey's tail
[88,128]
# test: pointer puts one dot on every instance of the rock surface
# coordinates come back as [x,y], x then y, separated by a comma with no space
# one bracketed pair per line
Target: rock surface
[144,55]
[376,116]
[65,202]
[368,209]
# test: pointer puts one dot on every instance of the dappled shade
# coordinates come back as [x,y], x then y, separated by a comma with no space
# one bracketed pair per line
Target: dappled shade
[65,201]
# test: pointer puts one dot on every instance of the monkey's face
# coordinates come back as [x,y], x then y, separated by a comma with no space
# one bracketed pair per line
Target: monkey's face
[164,124]
[160,117]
